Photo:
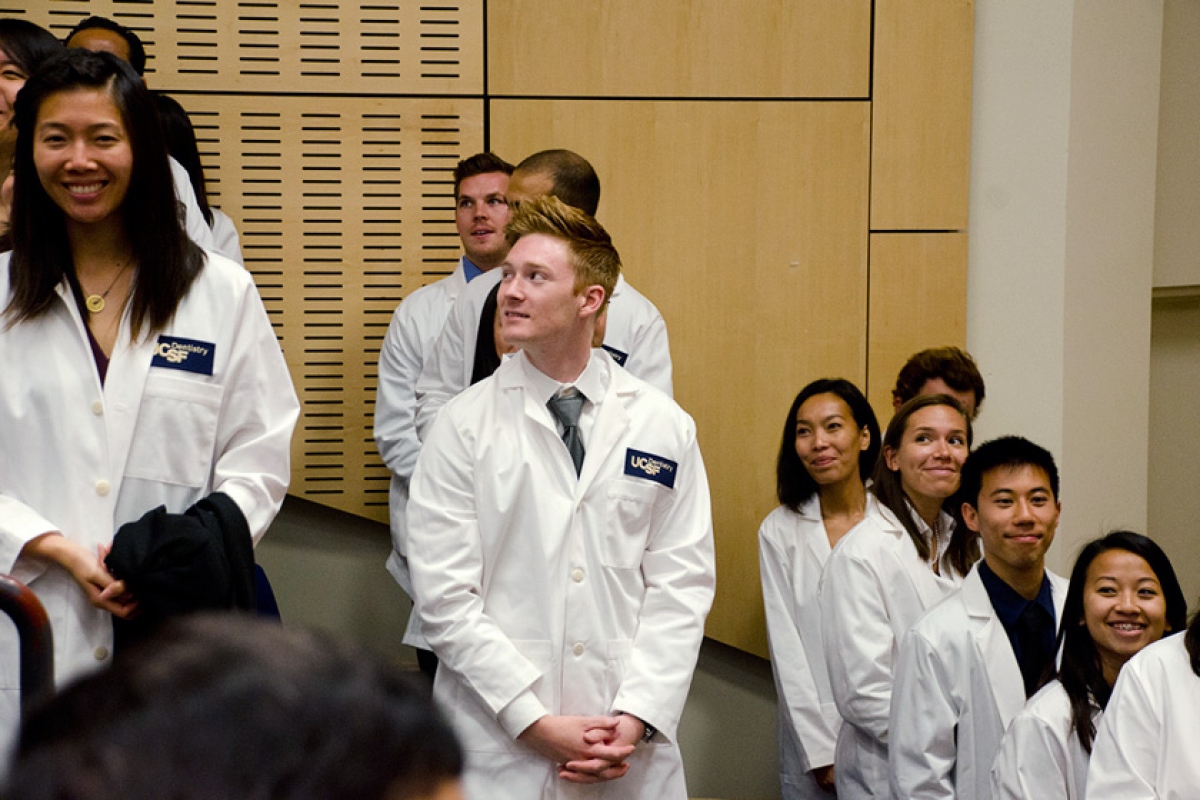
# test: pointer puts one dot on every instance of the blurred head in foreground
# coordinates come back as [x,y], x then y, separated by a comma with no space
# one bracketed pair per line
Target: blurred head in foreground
[228,706]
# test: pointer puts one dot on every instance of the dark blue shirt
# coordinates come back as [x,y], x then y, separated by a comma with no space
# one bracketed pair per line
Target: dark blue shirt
[470,271]
[1010,606]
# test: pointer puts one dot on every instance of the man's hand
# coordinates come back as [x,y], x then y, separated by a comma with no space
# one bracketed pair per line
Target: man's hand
[586,749]
[627,733]
[824,778]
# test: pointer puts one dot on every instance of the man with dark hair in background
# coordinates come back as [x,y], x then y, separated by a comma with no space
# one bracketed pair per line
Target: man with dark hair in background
[941,370]
[632,330]
[481,212]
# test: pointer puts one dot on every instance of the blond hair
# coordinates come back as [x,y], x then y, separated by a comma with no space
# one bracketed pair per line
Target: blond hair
[593,257]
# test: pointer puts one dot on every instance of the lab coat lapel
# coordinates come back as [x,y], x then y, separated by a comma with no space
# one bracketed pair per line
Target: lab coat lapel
[817,545]
[612,420]
[919,571]
[124,388]
[552,455]
[999,661]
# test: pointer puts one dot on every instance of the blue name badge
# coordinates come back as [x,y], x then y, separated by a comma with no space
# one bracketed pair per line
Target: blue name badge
[616,354]
[175,352]
[651,467]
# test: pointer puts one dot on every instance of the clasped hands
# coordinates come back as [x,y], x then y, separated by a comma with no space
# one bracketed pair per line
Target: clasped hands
[586,749]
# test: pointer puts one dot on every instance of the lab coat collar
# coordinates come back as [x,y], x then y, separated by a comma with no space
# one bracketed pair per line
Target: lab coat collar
[1004,673]
[611,387]
[810,512]
[929,585]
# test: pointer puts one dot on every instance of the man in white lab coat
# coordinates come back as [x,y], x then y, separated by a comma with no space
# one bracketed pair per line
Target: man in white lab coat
[967,666]
[634,332]
[560,541]
[481,212]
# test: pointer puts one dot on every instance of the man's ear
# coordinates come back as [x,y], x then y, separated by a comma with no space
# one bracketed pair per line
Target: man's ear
[970,516]
[593,300]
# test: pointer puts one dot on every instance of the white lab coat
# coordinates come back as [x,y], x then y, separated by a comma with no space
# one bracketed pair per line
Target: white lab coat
[792,551]
[225,236]
[543,593]
[874,588]
[83,459]
[1041,755]
[634,329]
[415,326]
[958,686]
[197,228]
[1146,743]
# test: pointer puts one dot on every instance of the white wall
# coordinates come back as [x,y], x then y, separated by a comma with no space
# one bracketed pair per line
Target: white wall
[1175,337]
[1175,437]
[1176,234]
[1063,161]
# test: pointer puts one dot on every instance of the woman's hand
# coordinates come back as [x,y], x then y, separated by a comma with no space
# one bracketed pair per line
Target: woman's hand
[101,588]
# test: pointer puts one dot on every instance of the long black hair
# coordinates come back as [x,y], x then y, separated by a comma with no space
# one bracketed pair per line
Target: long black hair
[793,483]
[1080,673]
[167,260]
[887,487]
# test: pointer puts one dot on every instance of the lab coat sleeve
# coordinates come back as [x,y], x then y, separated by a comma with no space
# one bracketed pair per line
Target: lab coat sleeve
[1032,762]
[858,643]
[679,571]
[1125,755]
[650,356]
[258,414]
[923,723]
[396,398]
[19,524]
[446,562]
[799,702]
[225,236]
[443,375]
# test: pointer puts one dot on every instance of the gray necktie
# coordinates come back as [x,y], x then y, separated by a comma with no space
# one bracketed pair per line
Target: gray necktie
[566,408]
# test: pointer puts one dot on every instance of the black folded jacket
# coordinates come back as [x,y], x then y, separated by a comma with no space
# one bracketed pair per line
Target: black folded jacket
[174,564]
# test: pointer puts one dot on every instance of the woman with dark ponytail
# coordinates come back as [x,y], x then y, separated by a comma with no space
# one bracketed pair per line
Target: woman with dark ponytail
[1123,597]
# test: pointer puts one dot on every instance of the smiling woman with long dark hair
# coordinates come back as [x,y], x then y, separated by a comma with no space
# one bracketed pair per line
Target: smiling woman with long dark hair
[1123,596]
[140,372]
[829,446]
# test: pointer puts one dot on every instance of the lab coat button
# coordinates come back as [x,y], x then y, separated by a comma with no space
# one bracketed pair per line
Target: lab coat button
[97,407]
[102,488]
[578,648]
[577,575]
[100,653]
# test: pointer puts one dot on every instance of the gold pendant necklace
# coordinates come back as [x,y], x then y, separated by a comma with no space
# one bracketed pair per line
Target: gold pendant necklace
[95,302]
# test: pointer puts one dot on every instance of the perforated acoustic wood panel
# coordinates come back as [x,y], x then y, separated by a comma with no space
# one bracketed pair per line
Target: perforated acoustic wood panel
[343,212]
[321,46]
[329,131]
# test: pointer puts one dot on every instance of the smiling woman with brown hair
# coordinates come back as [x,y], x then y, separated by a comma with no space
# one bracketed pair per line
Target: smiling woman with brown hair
[906,555]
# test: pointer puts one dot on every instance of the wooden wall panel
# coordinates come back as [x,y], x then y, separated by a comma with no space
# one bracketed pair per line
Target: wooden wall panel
[918,299]
[746,224]
[325,46]
[920,153]
[679,48]
[342,213]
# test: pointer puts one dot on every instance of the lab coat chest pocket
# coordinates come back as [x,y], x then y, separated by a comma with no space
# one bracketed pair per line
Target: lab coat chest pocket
[176,431]
[630,509]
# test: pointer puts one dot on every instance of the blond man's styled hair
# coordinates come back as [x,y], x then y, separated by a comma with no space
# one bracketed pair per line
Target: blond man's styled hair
[593,257]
